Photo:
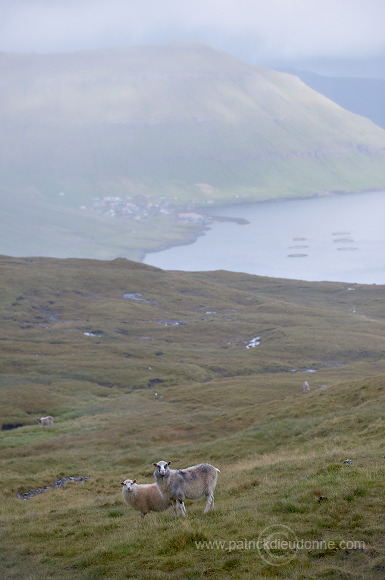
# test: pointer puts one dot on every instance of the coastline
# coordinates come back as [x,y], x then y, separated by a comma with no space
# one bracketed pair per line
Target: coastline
[197,230]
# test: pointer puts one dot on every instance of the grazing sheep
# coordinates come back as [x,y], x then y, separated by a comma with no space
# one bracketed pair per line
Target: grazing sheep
[191,483]
[306,387]
[45,420]
[145,497]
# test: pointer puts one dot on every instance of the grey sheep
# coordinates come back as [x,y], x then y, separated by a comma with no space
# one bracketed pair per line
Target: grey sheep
[190,483]
[144,497]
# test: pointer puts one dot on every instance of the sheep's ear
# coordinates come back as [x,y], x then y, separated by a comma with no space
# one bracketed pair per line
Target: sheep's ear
[134,481]
[122,482]
[169,462]
[156,465]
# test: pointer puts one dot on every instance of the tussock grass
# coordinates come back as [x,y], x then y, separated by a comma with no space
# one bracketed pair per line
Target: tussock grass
[308,464]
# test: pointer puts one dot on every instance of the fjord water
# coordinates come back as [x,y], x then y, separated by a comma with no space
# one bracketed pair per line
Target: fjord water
[338,238]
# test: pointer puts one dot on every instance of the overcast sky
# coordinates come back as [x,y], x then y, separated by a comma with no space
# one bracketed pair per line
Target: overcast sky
[323,33]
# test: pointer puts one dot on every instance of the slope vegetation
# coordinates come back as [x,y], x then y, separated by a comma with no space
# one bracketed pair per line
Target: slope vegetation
[137,365]
[166,118]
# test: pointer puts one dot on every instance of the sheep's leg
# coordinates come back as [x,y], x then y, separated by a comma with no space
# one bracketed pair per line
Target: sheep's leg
[181,506]
[184,513]
[209,503]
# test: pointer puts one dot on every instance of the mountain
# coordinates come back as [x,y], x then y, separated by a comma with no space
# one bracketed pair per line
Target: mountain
[170,123]
[363,96]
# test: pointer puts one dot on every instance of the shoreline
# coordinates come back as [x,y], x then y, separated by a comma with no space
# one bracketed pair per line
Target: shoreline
[198,230]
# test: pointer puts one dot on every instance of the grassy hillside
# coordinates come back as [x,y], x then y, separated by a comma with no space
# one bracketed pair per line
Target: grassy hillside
[163,119]
[162,126]
[363,96]
[29,225]
[137,365]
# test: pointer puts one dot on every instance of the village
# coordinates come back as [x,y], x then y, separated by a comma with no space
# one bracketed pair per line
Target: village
[141,207]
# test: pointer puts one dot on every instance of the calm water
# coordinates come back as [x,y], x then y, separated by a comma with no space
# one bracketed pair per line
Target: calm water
[337,239]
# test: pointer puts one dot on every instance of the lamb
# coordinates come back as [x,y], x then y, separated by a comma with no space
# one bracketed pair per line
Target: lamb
[45,420]
[144,497]
[190,483]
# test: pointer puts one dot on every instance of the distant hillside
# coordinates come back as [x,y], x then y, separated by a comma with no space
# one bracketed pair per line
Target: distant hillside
[362,96]
[170,123]
[167,118]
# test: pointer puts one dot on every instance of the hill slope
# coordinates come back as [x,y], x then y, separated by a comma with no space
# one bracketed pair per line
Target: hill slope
[363,96]
[137,365]
[160,127]
[163,119]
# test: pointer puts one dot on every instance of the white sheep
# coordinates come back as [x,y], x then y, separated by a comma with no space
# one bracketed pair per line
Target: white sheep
[45,420]
[190,483]
[306,387]
[144,497]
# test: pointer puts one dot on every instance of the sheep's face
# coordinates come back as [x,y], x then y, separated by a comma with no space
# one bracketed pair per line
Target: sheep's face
[162,468]
[129,484]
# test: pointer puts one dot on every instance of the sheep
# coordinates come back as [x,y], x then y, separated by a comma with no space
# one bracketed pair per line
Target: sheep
[190,483]
[144,497]
[45,421]
[306,387]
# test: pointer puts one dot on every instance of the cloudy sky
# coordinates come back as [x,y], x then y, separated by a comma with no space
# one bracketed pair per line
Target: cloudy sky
[323,34]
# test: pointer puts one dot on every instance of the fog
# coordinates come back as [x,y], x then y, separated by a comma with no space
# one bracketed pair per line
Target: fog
[342,37]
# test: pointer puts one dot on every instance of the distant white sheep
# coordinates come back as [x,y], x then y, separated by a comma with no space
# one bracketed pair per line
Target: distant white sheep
[306,387]
[191,483]
[144,497]
[45,421]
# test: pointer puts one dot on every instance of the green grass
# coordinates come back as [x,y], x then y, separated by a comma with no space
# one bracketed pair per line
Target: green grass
[140,391]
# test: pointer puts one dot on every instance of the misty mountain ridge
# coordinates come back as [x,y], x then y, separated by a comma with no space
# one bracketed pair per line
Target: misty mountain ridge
[181,121]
